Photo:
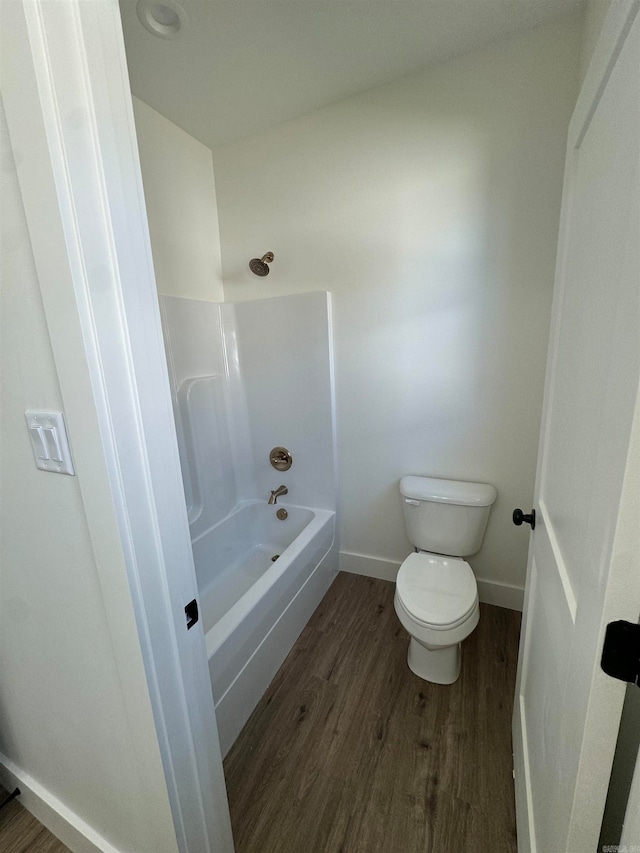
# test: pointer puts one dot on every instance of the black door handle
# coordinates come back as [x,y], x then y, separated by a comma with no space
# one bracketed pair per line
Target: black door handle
[191,612]
[528,518]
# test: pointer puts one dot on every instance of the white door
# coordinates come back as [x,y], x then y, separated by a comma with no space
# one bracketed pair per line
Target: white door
[584,568]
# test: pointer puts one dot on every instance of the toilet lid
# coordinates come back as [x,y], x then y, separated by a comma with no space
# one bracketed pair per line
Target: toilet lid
[439,591]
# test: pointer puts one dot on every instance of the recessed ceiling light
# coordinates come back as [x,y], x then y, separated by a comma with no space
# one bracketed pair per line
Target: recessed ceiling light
[162,18]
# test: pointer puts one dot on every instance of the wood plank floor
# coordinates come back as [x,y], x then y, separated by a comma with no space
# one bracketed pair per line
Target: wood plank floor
[349,752]
[21,832]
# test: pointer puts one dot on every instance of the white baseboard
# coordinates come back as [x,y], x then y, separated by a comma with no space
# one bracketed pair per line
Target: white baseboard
[371,567]
[489,592]
[64,823]
[500,594]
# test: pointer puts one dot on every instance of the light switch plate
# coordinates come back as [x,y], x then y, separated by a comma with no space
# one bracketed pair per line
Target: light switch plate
[49,442]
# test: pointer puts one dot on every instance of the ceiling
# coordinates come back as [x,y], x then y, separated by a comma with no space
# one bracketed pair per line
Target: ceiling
[239,66]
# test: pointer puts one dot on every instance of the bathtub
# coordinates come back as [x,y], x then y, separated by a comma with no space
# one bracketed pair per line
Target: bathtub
[253,608]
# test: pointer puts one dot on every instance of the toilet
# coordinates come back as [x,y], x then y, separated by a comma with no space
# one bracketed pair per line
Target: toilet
[436,597]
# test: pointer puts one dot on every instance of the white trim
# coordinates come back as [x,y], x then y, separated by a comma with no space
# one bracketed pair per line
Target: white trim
[490,592]
[631,825]
[522,784]
[370,567]
[68,106]
[525,827]
[500,594]
[64,823]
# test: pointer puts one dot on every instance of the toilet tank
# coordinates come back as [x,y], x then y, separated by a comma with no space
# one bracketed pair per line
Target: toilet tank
[446,516]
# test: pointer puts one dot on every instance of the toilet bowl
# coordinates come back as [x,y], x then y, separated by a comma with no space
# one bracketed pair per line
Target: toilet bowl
[436,601]
[436,598]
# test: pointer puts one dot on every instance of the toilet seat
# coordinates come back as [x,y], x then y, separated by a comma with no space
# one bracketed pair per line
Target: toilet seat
[437,592]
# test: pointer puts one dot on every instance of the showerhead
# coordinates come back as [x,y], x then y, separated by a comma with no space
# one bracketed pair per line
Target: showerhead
[260,266]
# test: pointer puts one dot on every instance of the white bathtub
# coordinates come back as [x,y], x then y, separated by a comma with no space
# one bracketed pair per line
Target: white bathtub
[254,609]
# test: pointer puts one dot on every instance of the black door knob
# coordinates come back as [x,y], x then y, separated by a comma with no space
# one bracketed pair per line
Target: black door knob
[528,518]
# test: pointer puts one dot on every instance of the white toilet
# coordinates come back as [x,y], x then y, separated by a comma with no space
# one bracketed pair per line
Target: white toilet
[436,592]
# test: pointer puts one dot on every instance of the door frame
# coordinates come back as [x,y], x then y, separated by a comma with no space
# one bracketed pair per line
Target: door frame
[68,104]
[631,827]
[586,812]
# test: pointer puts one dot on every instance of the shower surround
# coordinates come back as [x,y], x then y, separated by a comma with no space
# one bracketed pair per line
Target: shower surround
[247,377]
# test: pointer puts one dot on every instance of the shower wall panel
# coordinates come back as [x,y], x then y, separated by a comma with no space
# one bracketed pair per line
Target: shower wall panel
[246,377]
[210,417]
[285,357]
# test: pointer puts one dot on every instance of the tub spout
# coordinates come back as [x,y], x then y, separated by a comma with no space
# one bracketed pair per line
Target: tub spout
[277,493]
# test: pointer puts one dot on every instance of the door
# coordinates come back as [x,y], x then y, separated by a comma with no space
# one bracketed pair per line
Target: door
[583,558]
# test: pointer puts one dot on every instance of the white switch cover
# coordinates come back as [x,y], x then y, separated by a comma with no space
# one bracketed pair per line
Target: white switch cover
[49,441]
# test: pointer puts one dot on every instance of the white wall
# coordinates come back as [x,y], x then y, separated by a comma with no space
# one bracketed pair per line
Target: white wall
[67,730]
[429,208]
[180,194]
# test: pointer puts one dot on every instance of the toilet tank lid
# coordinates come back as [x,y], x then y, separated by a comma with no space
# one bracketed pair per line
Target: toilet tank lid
[448,491]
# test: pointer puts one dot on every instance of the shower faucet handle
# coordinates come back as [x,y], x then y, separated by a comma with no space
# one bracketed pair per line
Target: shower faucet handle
[280,458]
